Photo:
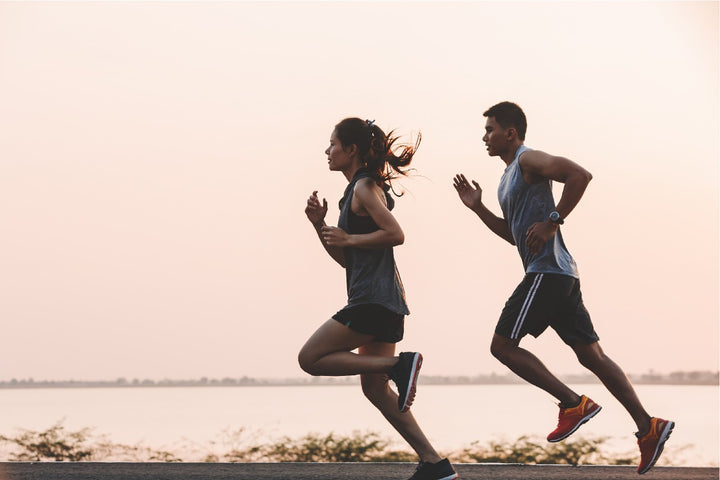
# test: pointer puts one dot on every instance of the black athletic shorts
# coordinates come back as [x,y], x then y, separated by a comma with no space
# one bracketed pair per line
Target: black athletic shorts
[373,319]
[547,299]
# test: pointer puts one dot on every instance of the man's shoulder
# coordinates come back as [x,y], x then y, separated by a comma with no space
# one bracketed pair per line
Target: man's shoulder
[529,154]
[532,163]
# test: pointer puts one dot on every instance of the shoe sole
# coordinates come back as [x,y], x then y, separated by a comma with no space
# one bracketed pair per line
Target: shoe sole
[452,476]
[449,477]
[412,386]
[578,425]
[661,444]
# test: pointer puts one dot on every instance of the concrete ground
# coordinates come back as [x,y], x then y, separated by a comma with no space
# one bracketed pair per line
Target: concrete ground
[329,471]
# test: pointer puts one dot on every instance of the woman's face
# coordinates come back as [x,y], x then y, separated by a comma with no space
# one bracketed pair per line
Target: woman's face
[339,158]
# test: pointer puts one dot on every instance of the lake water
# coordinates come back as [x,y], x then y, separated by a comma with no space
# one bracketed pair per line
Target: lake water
[452,416]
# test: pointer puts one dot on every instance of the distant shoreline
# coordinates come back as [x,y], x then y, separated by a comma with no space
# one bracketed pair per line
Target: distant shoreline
[675,378]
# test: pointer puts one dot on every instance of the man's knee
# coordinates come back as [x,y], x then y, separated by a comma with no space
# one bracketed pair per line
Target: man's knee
[501,347]
[590,356]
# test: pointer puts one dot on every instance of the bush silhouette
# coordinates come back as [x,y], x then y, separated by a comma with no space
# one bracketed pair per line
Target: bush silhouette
[60,444]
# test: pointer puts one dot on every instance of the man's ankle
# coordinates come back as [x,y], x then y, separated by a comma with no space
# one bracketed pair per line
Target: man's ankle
[571,404]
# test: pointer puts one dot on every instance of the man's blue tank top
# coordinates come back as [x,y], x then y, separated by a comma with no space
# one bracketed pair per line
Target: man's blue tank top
[522,205]
[371,273]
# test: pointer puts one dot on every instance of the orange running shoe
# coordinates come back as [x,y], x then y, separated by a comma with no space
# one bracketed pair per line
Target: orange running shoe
[571,418]
[651,444]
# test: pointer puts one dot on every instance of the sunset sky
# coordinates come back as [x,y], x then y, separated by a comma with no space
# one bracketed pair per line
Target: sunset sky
[155,160]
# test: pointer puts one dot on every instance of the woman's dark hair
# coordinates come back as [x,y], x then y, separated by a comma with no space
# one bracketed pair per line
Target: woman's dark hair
[376,150]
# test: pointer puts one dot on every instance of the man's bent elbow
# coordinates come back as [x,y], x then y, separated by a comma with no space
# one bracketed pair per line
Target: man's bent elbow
[579,177]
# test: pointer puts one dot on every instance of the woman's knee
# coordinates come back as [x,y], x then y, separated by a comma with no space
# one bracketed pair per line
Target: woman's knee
[306,360]
[374,387]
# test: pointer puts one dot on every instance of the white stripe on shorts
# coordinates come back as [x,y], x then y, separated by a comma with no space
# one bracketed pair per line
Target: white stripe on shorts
[526,306]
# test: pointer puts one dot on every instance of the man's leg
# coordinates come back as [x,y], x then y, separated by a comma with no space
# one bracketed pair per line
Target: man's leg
[653,432]
[531,369]
[575,410]
[612,376]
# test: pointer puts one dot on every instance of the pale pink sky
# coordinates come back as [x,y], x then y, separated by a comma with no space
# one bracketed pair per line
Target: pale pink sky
[155,159]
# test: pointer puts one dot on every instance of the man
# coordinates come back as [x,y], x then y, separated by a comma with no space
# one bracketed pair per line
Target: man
[549,294]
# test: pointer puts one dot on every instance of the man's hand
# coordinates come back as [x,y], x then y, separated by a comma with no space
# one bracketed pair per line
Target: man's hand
[471,197]
[314,210]
[538,234]
[335,237]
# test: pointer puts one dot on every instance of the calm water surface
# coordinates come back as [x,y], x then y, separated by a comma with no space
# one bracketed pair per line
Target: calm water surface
[452,416]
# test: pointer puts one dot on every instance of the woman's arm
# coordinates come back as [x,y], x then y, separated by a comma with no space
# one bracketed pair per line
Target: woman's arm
[316,214]
[368,198]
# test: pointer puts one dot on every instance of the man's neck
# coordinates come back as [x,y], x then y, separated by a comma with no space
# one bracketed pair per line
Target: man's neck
[509,156]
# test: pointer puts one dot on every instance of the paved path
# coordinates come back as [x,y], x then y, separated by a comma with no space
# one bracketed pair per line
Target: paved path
[330,471]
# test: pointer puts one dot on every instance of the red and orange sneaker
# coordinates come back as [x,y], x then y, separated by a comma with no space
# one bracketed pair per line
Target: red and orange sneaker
[651,444]
[571,418]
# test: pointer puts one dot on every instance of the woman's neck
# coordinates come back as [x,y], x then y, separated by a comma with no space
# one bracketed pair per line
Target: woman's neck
[352,170]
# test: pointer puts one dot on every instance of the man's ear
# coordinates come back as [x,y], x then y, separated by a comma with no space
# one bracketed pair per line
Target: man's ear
[511,133]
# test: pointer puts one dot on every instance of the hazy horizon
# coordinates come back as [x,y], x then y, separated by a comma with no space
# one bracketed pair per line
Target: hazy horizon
[155,160]
[301,377]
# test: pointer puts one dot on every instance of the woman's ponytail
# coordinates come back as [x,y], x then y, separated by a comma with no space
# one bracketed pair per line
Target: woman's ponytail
[376,150]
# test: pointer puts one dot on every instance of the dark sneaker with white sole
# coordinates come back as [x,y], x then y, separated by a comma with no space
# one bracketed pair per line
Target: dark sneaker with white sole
[441,470]
[404,373]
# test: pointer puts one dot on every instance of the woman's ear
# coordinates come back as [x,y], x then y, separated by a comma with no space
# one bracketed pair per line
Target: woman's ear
[352,150]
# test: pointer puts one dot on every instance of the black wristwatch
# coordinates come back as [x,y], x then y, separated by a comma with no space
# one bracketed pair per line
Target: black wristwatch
[556,218]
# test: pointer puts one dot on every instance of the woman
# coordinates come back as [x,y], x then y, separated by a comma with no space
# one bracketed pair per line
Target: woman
[373,319]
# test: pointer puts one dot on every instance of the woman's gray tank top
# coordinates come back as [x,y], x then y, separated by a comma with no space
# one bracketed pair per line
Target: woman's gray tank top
[522,205]
[371,273]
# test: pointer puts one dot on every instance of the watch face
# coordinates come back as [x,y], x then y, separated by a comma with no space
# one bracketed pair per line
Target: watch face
[554,216]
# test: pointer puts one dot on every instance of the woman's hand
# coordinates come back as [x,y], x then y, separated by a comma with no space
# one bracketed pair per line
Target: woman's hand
[335,237]
[315,211]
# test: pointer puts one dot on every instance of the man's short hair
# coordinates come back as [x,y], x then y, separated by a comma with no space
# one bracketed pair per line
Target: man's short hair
[509,114]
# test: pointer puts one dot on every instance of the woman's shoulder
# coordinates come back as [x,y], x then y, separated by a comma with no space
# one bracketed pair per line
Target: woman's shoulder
[366,184]
[367,190]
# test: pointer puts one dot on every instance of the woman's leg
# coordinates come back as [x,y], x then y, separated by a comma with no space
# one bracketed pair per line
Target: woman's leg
[376,389]
[329,352]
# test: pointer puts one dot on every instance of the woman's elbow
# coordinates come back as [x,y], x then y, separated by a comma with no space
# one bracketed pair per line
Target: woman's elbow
[398,238]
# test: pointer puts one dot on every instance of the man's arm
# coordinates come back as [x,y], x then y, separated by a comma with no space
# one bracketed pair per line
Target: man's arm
[472,198]
[538,166]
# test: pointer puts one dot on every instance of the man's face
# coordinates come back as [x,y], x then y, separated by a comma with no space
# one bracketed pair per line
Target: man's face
[495,138]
